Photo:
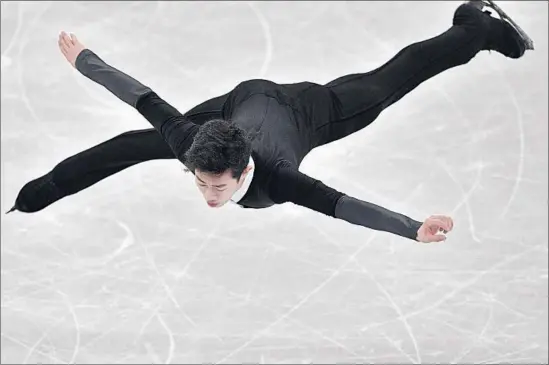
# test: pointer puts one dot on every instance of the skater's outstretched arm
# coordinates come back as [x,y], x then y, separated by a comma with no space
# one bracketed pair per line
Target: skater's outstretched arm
[290,185]
[177,131]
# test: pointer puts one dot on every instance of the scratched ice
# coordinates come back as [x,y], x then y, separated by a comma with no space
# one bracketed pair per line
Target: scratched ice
[137,270]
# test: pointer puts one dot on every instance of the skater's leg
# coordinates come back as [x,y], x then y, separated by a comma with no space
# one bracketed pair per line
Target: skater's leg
[359,98]
[88,167]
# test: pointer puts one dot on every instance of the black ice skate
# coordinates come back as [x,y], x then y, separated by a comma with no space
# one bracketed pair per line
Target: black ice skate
[528,42]
[37,195]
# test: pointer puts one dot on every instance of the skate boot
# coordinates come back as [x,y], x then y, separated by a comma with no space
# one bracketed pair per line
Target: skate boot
[37,195]
[515,40]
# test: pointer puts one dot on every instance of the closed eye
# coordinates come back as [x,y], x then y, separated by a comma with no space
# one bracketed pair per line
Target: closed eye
[218,189]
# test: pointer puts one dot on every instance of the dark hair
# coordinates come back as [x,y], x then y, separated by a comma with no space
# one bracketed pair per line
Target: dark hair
[219,145]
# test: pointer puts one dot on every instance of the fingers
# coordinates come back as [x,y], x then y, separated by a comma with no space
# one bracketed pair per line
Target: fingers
[69,46]
[446,219]
[430,238]
[437,238]
[67,41]
[74,39]
[440,222]
[62,46]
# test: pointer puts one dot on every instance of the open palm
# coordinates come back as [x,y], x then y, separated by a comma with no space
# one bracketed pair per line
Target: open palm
[70,47]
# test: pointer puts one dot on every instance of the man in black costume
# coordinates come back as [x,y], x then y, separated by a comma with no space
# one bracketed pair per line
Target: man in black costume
[246,146]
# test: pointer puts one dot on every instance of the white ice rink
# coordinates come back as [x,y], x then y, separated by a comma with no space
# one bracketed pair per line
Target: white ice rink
[137,269]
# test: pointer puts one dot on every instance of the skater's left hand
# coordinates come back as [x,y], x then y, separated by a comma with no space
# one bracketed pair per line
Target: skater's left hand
[434,229]
[70,47]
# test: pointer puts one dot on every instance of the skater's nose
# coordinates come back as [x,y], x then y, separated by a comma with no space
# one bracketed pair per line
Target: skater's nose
[211,195]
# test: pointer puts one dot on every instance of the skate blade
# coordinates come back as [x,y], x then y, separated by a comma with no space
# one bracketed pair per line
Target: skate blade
[527,40]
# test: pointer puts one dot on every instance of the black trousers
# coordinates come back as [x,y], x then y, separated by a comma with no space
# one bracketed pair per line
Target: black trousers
[358,99]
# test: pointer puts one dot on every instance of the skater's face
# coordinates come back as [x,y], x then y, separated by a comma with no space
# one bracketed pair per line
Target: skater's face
[217,190]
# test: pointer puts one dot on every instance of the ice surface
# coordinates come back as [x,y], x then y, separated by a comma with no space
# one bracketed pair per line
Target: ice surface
[137,269]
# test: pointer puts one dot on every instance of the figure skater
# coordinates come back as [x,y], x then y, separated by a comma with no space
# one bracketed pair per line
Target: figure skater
[246,146]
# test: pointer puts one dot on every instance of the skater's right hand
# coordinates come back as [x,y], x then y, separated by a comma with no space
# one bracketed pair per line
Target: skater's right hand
[70,47]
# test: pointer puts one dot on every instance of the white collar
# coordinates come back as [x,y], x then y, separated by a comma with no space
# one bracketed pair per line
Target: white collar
[239,194]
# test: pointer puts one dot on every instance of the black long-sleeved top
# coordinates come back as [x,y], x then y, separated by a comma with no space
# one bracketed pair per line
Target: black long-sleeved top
[276,178]
[277,149]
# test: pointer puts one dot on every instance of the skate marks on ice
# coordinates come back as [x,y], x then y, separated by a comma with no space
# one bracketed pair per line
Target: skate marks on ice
[136,269]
